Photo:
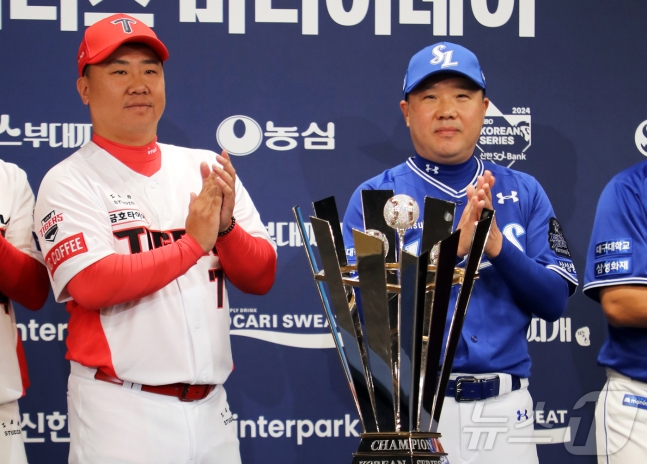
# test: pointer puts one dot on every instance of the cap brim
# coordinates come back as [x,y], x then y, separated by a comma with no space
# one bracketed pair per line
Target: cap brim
[448,71]
[155,44]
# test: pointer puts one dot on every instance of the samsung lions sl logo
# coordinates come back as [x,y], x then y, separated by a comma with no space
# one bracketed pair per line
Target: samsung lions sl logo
[443,57]
[502,198]
[125,24]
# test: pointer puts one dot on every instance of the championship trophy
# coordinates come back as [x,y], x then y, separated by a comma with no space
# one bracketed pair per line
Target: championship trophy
[391,354]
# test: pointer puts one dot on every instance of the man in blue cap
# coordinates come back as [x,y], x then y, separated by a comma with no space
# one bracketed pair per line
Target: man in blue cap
[526,268]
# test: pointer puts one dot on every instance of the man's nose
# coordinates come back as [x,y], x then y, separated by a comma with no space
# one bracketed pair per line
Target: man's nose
[137,85]
[446,108]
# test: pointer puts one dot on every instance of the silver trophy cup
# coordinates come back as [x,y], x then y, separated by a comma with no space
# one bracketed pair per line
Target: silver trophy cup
[393,355]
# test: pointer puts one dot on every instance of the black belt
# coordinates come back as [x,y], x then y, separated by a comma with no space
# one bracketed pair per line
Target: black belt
[468,388]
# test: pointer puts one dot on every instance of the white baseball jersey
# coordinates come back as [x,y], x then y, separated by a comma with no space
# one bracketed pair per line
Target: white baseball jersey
[16,207]
[91,205]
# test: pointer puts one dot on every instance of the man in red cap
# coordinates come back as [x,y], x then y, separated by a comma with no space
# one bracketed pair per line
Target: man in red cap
[141,261]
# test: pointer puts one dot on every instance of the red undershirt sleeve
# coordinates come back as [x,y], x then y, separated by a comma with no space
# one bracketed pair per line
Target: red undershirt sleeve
[22,278]
[121,278]
[249,262]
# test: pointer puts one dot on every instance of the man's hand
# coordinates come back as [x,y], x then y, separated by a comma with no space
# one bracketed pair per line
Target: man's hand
[226,179]
[479,197]
[203,221]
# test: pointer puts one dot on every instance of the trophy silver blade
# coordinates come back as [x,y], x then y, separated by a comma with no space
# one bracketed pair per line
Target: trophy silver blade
[436,315]
[326,209]
[371,268]
[353,350]
[373,202]
[479,240]
[438,221]
[413,275]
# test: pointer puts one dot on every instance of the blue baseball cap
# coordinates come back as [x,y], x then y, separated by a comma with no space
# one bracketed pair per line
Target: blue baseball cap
[442,57]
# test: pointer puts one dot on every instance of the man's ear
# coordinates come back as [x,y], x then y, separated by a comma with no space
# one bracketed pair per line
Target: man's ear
[404,106]
[83,87]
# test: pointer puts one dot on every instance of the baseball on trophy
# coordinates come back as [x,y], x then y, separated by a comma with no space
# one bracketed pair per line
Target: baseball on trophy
[377,234]
[401,212]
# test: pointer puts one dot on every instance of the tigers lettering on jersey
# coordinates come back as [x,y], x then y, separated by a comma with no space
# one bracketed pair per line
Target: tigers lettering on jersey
[154,238]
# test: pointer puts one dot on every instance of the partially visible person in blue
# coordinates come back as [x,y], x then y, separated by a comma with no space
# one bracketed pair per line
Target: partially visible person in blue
[527,267]
[615,276]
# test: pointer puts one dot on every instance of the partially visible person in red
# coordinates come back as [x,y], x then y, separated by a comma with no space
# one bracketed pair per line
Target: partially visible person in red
[23,279]
[141,259]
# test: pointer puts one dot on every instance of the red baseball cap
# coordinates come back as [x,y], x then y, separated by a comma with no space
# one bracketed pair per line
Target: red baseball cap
[105,36]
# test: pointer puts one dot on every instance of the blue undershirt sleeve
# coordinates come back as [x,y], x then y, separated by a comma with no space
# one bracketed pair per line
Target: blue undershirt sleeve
[534,287]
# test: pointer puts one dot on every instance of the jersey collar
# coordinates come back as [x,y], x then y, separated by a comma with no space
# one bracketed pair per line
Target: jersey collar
[440,175]
[146,160]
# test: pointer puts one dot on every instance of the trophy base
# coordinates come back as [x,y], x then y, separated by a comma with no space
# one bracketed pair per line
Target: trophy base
[400,448]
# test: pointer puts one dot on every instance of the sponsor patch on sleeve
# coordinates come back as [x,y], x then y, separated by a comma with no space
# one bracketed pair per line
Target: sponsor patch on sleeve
[635,401]
[64,250]
[567,266]
[556,239]
[612,267]
[613,247]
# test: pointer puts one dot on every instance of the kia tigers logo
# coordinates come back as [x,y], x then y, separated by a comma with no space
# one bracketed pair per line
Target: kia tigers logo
[125,24]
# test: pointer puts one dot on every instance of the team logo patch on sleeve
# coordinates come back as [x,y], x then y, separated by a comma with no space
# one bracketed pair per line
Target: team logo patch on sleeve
[556,239]
[49,227]
[612,266]
[613,247]
[64,250]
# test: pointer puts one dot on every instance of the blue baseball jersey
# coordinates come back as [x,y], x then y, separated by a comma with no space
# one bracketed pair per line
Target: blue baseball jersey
[616,256]
[494,336]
